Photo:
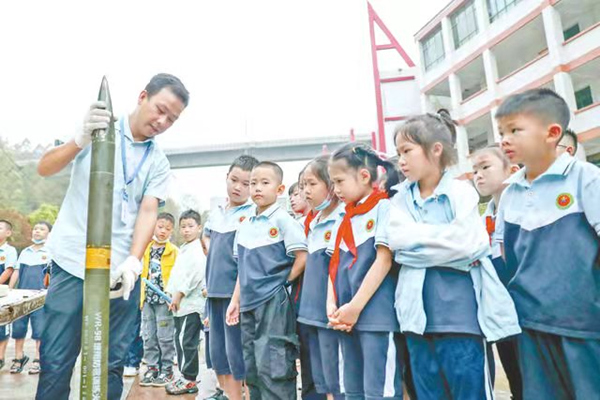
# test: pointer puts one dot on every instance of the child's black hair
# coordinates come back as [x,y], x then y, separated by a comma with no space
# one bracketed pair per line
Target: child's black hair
[8,224]
[243,162]
[427,129]
[292,188]
[358,156]
[572,136]
[167,217]
[45,223]
[319,167]
[273,166]
[540,103]
[191,214]
[496,151]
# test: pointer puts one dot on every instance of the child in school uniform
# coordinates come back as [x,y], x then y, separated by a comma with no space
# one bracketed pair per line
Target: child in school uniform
[158,324]
[363,278]
[322,343]
[549,225]
[297,200]
[301,212]
[449,299]
[8,261]
[29,274]
[221,274]
[188,303]
[491,168]
[271,251]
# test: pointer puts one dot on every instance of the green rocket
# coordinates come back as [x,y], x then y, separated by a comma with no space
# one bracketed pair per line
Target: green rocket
[96,304]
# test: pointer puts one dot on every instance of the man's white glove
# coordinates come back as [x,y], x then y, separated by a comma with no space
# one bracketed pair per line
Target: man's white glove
[97,117]
[126,274]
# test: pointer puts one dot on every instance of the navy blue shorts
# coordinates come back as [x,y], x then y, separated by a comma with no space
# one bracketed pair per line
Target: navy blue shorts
[449,366]
[4,332]
[226,354]
[20,326]
[559,367]
[373,365]
[325,356]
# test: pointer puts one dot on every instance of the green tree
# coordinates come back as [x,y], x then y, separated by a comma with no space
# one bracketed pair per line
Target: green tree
[46,212]
[21,233]
[24,189]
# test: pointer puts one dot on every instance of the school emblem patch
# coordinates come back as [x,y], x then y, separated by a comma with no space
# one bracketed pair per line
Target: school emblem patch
[44,258]
[564,201]
[242,218]
[370,225]
[327,236]
[2,258]
[273,232]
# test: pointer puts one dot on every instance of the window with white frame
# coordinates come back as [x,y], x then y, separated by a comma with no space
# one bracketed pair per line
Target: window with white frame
[464,24]
[433,48]
[497,8]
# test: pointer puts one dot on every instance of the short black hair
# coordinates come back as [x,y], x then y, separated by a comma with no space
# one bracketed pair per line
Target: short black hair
[171,82]
[541,103]
[243,162]
[292,188]
[167,217]
[7,223]
[191,214]
[45,223]
[570,134]
[273,166]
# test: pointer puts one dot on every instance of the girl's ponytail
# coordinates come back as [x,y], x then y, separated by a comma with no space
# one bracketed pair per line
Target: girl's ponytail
[392,176]
[371,157]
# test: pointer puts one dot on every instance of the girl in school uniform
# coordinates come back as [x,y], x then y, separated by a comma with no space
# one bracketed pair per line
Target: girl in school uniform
[491,168]
[322,341]
[449,299]
[362,279]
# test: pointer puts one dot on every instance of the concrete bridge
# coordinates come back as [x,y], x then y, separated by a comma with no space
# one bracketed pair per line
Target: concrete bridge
[272,150]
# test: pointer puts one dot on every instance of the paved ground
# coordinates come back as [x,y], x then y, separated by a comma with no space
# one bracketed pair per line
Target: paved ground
[23,386]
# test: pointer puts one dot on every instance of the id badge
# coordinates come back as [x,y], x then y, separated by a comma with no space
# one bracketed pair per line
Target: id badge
[125,207]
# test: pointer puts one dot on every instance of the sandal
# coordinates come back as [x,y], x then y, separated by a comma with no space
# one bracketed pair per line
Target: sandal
[18,365]
[35,367]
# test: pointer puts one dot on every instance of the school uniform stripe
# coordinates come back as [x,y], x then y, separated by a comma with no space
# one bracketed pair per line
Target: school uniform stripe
[390,368]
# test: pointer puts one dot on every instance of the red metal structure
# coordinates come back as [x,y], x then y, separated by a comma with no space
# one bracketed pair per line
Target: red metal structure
[374,19]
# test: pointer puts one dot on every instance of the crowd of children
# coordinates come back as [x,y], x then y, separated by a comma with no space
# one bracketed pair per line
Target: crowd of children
[28,271]
[387,280]
[404,287]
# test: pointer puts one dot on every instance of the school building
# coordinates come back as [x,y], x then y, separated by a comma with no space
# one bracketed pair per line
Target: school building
[473,53]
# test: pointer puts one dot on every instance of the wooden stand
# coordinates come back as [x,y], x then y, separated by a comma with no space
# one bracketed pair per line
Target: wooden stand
[20,302]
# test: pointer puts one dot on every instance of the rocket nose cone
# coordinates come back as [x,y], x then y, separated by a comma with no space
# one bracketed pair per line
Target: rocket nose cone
[104,94]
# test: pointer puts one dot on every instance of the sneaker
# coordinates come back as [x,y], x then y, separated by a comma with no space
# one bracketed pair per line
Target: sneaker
[219,395]
[149,377]
[181,386]
[131,372]
[18,364]
[35,367]
[163,379]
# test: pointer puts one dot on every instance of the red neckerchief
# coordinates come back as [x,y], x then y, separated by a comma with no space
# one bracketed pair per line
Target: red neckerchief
[490,225]
[309,218]
[345,230]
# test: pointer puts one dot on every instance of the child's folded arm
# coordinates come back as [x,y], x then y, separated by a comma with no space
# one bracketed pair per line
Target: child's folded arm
[454,245]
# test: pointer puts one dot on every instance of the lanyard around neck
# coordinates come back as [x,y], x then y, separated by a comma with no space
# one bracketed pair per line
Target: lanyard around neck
[137,169]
